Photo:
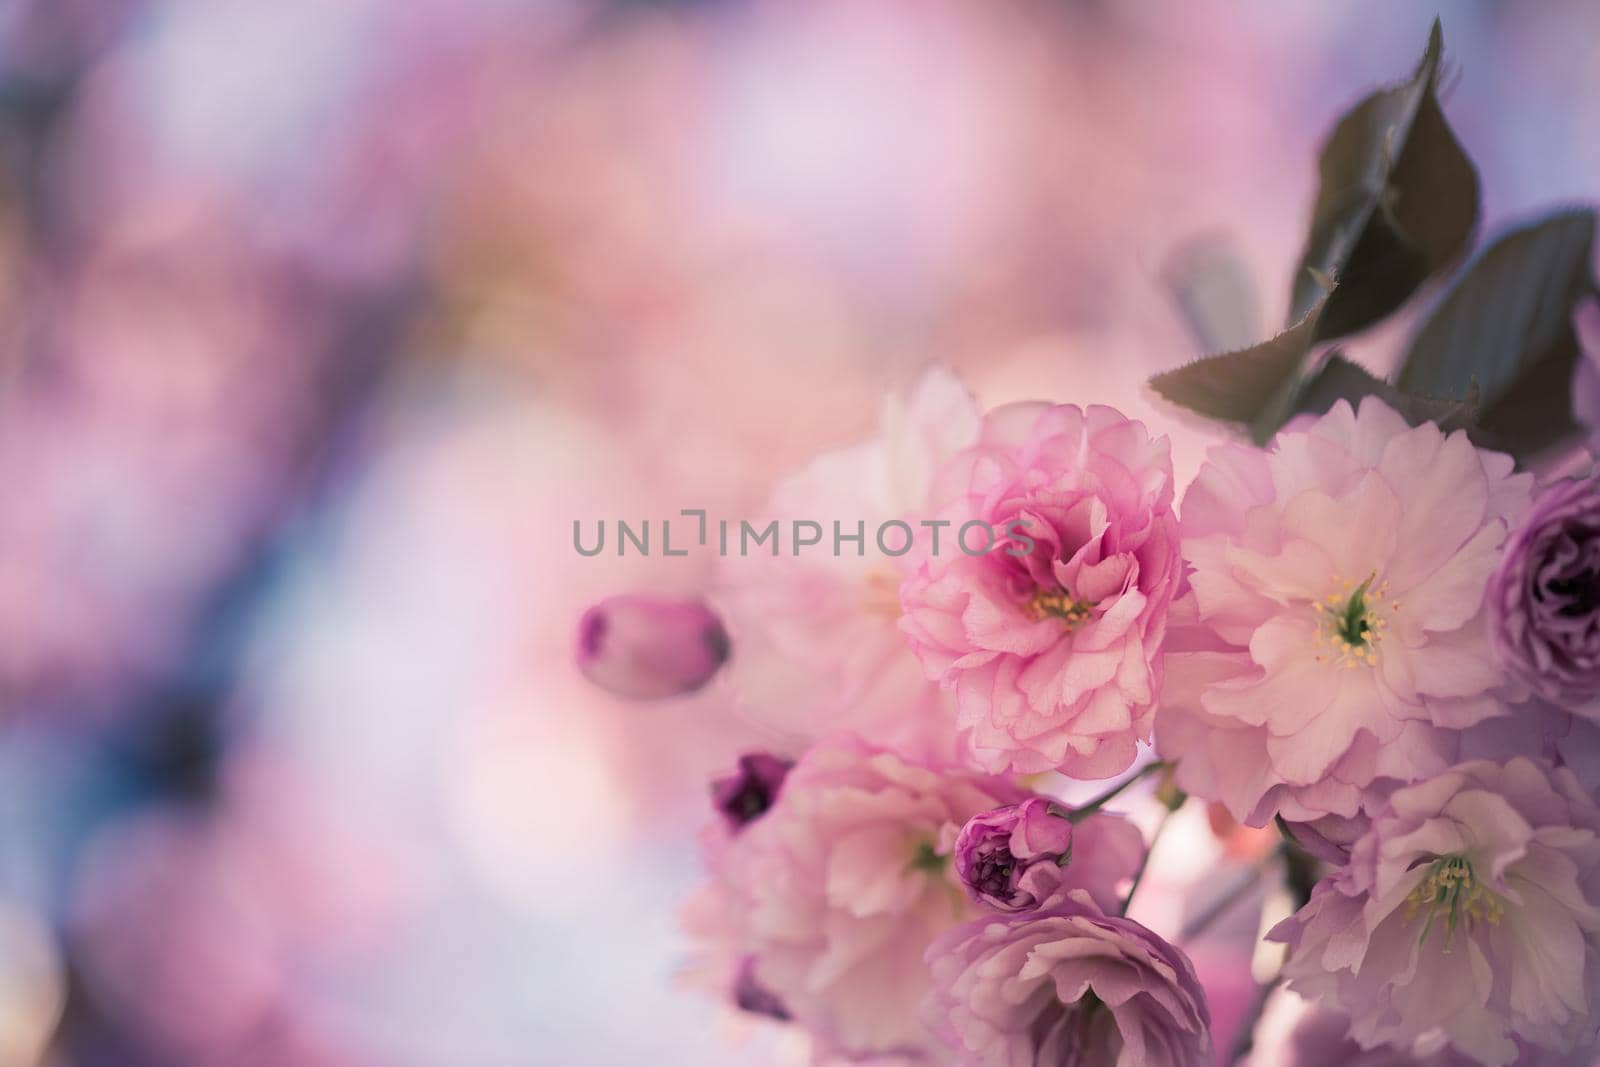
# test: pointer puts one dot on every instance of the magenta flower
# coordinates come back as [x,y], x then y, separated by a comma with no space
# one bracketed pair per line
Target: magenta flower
[1586,378]
[827,903]
[1469,914]
[1069,986]
[1545,598]
[1335,639]
[1015,857]
[745,795]
[1011,858]
[1051,640]
[649,648]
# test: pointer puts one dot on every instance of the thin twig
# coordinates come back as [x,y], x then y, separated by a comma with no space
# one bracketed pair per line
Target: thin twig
[1246,1041]
[1083,811]
[1144,863]
[1224,902]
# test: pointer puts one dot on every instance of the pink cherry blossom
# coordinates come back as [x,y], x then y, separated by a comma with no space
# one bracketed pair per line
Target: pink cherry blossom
[821,908]
[1052,642]
[1336,636]
[827,901]
[1067,985]
[1469,913]
[818,647]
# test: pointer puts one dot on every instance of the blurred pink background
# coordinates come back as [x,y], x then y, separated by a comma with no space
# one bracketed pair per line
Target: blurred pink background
[320,323]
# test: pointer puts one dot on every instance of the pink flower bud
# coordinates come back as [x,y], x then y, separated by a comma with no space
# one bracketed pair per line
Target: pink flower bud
[1010,858]
[649,648]
[745,795]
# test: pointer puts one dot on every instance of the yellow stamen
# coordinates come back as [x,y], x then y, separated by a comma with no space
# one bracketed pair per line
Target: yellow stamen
[1451,890]
[1057,603]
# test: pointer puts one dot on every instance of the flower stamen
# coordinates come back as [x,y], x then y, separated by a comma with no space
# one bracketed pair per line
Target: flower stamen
[1351,622]
[1058,604]
[1451,890]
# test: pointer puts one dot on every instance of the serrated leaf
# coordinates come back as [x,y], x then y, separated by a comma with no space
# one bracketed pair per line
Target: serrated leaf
[1398,202]
[1505,329]
[1240,386]
[1340,379]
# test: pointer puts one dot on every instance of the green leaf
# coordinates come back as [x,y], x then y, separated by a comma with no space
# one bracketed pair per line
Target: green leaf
[1250,386]
[1505,329]
[1340,379]
[1398,202]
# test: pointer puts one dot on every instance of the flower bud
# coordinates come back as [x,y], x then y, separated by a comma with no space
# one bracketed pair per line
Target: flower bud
[1544,601]
[649,648]
[751,996]
[1011,858]
[745,795]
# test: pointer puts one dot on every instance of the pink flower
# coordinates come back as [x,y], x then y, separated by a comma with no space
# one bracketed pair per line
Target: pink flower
[1015,857]
[827,902]
[1052,642]
[1545,598]
[1011,858]
[1469,913]
[818,645]
[1070,986]
[1335,636]
[1586,378]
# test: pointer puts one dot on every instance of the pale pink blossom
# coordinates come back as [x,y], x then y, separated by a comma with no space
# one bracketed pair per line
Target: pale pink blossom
[1335,637]
[821,908]
[818,647]
[829,899]
[1468,915]
[1051,640]
[1066,986]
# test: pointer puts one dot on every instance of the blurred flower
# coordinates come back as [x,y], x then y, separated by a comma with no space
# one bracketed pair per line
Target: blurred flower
[749,792]
[751,996]
[818,646]
[32,985]
[1066,985]
[650,648]
[836,893]
[1245,844]
[1052,644]
[1011,858]
[1544,600]
[1295,1033]
[1586,378]
[173,934]
[1470,909]
[1335,631]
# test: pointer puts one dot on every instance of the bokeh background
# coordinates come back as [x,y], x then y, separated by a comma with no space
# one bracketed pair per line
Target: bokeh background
[320,322]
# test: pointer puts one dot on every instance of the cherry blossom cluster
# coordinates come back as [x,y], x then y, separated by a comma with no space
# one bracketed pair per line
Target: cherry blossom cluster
[1371,634]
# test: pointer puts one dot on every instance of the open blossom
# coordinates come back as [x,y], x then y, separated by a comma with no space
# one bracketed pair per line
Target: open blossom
[1545,598]
[1469,914]
[825,904]
[649,648]
[1015,857]
[1335,636]
[1067,986]
[819,649]
[1052,641]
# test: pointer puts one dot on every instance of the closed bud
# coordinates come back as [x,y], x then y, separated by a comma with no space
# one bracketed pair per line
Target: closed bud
[650,648]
